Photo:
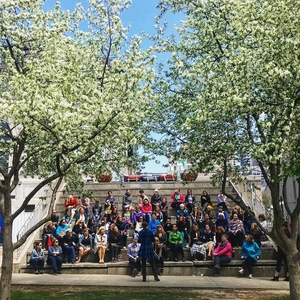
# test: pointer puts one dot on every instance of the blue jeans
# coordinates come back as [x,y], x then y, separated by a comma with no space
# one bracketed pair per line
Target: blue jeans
[69,254]
[222,259]
[153,266]
[38,264]
[55,262]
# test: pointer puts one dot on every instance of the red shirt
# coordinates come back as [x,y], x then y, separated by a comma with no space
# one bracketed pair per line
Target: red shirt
[181,198]
[71,202]
[146,208]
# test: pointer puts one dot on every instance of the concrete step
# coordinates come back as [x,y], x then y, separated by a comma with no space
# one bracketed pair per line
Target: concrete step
[268,255]
[263,268]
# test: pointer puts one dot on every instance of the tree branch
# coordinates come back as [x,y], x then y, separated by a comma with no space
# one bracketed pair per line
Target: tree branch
[33,192]
[284,196]
[23,239]
[11,51]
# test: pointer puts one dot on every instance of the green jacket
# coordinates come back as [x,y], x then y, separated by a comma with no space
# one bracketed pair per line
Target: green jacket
[175,238]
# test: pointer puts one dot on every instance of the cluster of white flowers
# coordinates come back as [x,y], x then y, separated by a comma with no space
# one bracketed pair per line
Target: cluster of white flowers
[72,93]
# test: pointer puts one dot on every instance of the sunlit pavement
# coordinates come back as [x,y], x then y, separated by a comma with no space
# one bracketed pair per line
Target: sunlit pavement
[201,282]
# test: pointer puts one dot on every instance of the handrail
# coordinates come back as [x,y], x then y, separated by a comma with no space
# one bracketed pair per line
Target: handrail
[35,216]
[255,203]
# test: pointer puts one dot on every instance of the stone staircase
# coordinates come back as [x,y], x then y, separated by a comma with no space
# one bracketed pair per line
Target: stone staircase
[89,264]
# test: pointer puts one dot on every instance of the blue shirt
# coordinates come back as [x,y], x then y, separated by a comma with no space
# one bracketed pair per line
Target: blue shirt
[251,249]
[152,225]
[133,250]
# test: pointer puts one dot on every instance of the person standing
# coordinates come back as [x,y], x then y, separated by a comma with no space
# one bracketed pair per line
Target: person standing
[281,257]
[146,239]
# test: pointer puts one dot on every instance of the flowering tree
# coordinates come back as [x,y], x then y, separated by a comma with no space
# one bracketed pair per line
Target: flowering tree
[232,90]
[71,99]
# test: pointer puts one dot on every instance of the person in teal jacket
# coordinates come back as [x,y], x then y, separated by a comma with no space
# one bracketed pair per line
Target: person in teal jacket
[251,253]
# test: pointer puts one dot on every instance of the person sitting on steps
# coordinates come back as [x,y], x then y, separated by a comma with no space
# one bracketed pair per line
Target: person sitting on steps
[222,254]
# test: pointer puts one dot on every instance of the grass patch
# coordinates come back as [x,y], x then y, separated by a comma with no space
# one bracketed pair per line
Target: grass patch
[136,293]
[102,293]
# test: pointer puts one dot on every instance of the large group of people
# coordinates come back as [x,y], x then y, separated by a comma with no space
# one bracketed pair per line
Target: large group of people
[157,237]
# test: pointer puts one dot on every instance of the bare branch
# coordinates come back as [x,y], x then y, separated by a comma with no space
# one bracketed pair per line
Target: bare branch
[54,192]
[11,51]
[33,192]
[284,196]
[225,173]
[23,239]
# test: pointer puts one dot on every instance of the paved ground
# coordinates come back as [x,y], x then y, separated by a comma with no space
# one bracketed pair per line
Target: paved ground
[203,282]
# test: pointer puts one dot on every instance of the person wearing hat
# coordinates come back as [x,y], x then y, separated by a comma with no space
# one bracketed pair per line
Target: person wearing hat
[100,244]
[220,210]
[156,198]
[69,247]
[133,255]
[183,212]
[221,221]
[209,212]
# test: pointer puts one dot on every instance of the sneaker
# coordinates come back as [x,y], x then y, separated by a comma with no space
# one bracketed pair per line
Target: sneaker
[124,248]
[36,273]
[41,272]
[250,276]
[134,272]
[183,259]
[241,271]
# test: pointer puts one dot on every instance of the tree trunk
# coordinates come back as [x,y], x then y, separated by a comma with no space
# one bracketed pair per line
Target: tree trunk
[7,262]
[294,274]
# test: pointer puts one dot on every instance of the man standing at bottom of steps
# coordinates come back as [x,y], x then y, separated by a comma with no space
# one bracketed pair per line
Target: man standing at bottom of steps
[146,239]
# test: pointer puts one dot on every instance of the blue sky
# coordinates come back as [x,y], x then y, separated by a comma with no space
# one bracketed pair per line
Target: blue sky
[140,16]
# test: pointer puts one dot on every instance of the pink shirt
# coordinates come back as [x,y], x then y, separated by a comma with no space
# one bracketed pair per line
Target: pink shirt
[226,251]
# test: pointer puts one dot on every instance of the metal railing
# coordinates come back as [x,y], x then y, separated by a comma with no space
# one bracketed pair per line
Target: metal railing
[250,199]
[40,211]
[36,215]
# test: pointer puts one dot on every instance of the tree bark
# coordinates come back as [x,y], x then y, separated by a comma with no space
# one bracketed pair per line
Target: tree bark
[294,274]
[7,261]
